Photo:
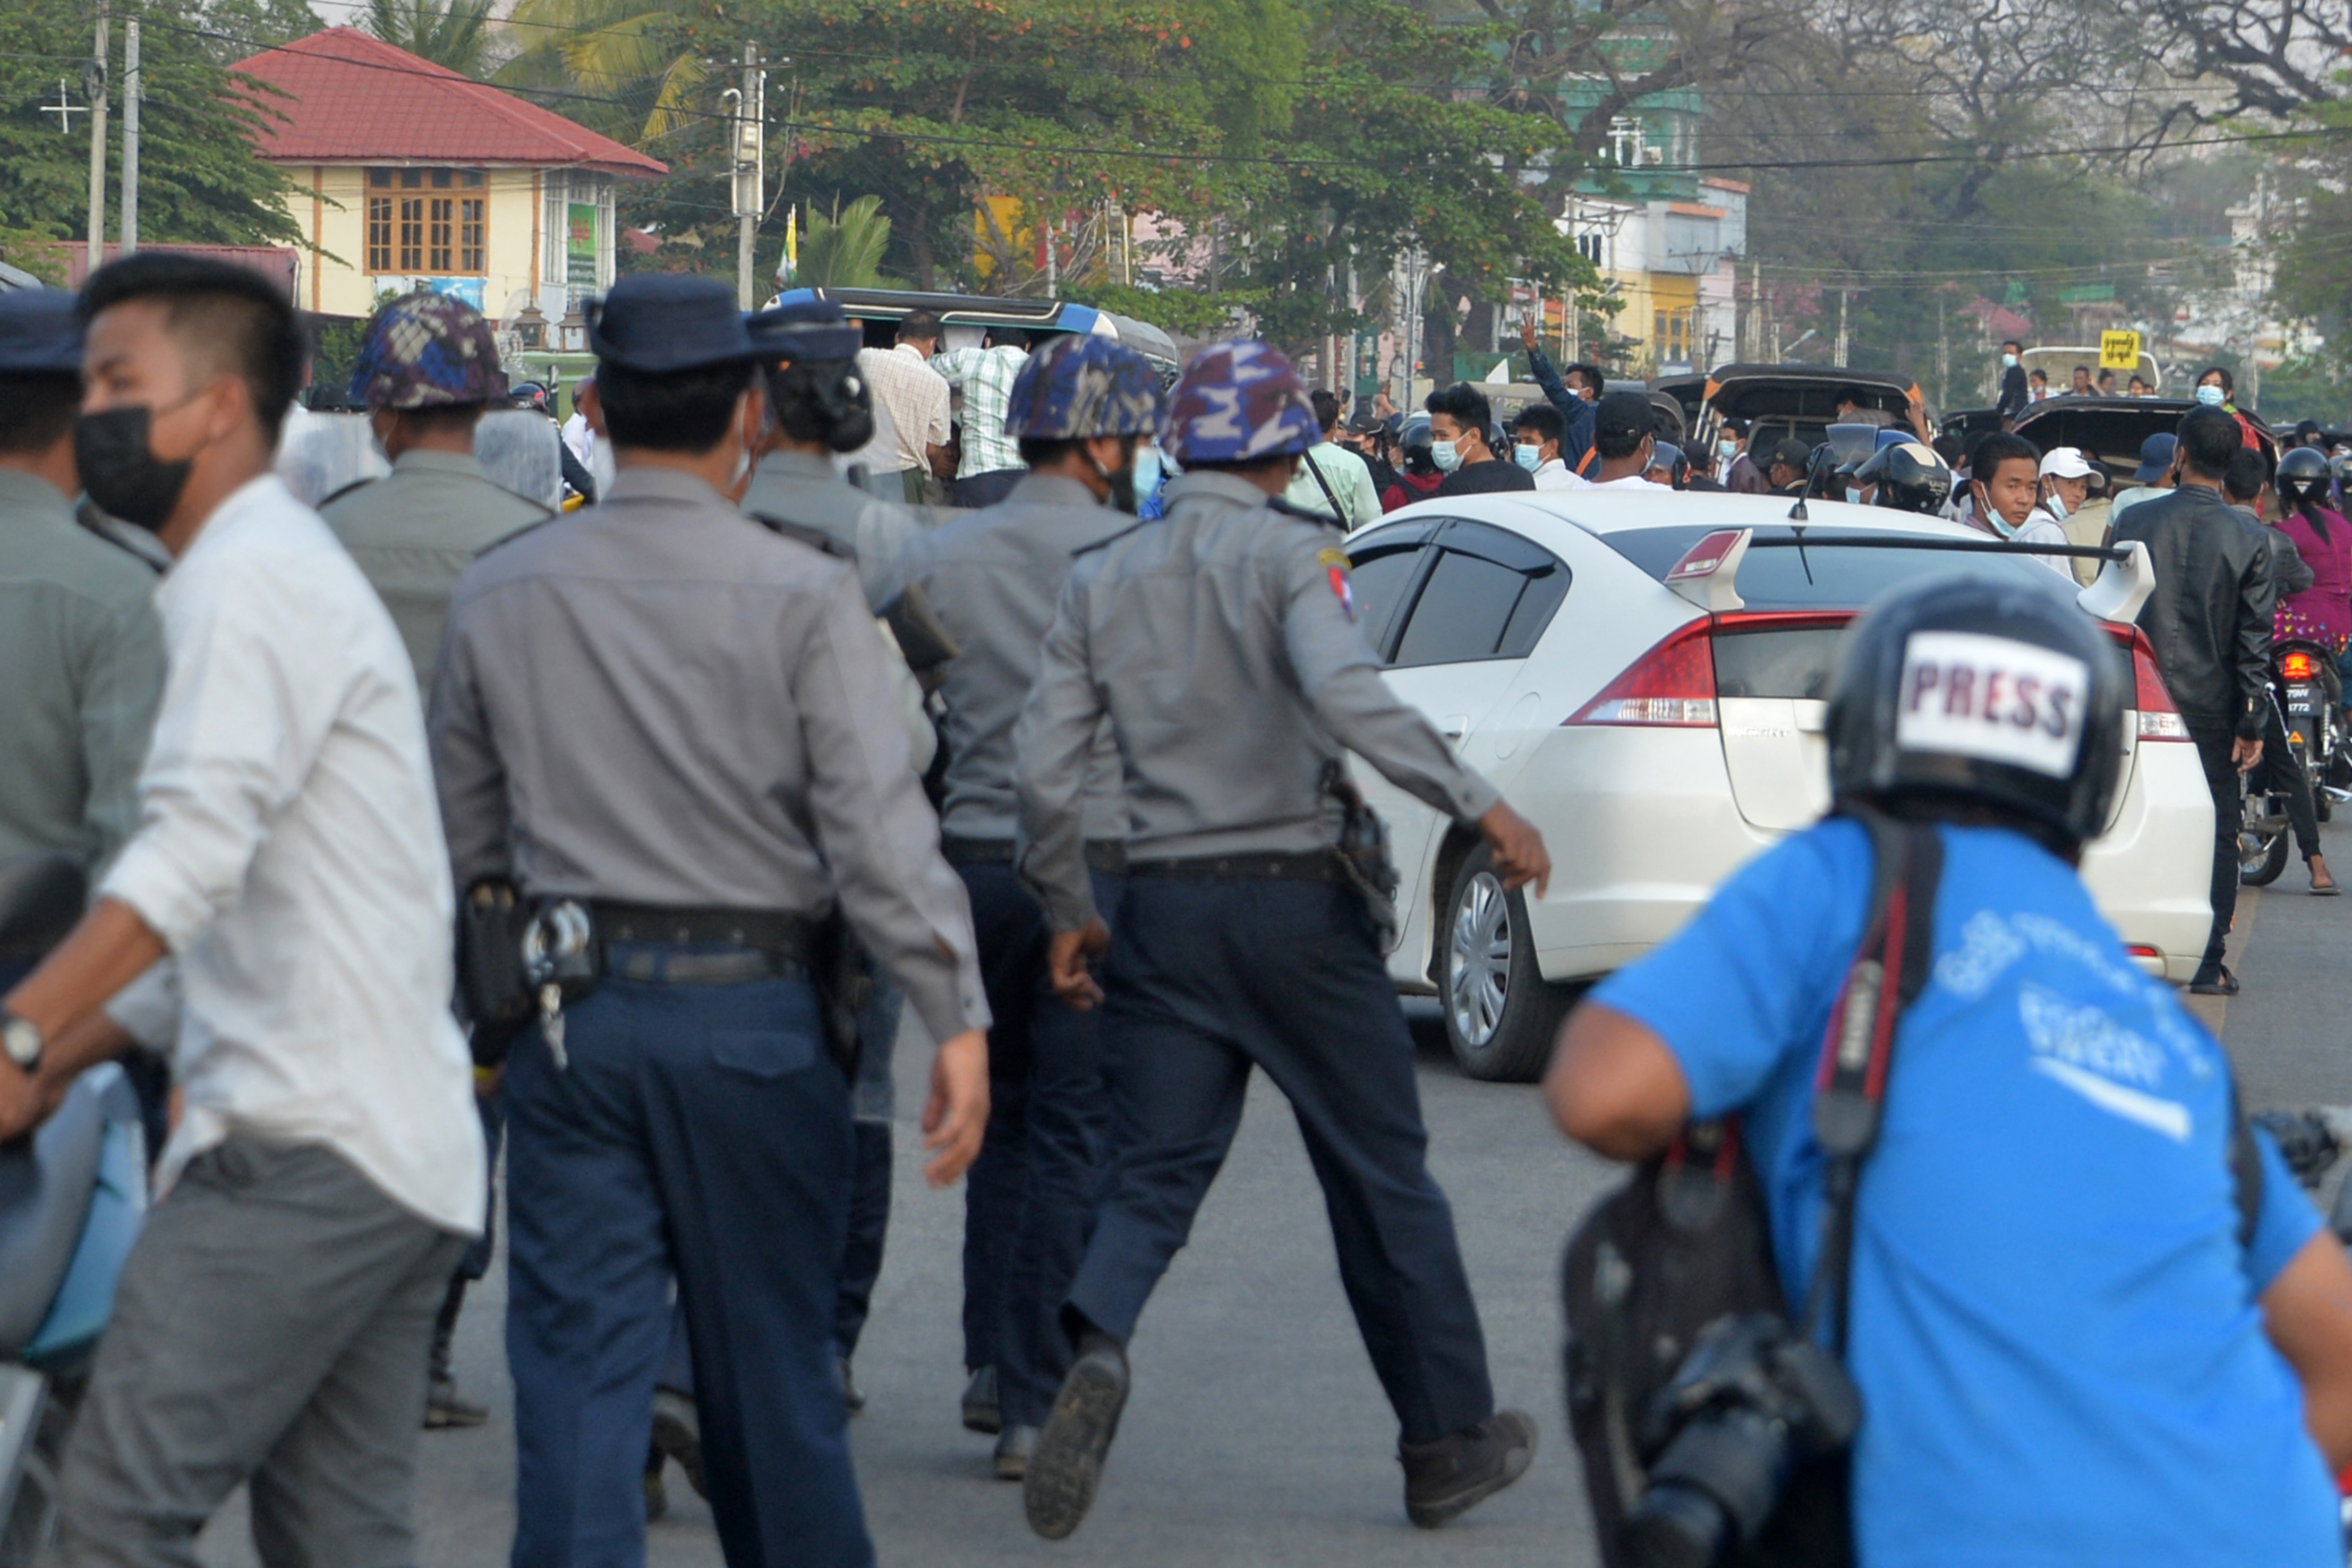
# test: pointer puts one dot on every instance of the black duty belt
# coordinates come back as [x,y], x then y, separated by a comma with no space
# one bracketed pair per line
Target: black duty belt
[1108,856]
[1303,865]
[778,943]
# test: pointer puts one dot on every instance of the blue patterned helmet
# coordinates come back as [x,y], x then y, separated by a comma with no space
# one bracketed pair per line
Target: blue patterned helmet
[427,350]
[1077,385]
[1239,403]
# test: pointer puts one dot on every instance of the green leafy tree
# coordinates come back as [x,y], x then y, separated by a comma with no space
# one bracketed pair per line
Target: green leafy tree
[844,250]
[636,71]
[452,33]
[199,180]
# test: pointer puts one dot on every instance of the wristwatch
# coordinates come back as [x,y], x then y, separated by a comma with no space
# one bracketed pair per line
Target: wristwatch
[22,1039]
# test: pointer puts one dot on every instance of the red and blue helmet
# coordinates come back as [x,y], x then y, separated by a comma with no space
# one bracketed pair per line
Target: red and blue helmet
[1239,403]
[1077,385]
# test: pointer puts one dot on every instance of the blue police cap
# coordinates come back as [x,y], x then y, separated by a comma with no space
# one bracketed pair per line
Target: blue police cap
[804,329]
[660,322]
[40,334]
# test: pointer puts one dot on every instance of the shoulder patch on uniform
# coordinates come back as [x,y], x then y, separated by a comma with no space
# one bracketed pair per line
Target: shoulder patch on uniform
[800,534]
[1335,572]
[1112,539]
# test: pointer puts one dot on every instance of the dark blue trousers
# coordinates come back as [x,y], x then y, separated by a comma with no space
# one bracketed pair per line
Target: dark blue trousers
[1029,1202]
[1208,979]
[701,1132]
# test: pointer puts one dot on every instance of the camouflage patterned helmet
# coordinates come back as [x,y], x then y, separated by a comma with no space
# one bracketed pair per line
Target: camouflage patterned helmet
[1077,385]
[1239,403]
[427,350]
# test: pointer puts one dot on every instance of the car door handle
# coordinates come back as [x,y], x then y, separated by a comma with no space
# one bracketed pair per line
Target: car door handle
[1455,726]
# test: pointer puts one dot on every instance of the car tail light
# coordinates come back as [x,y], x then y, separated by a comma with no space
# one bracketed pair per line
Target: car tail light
[2298,666]
[2158,718]
[1672,685]
[2142,950]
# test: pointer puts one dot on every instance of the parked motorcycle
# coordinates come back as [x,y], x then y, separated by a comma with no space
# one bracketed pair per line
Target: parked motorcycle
[2316,742]
[72,1196]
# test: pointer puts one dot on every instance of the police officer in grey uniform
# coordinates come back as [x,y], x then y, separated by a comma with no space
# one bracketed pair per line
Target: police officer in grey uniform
[1079,408]
[79,642]
[826,408]
[427,371]
[676,718]
[1220,643]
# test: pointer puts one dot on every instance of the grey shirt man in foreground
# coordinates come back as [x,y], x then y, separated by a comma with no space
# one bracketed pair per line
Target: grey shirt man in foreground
[1080,408]
[1219,643]
[428,370]
[79,635]
[677,718]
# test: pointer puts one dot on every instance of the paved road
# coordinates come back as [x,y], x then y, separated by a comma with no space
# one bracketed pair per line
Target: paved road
[1258,1433]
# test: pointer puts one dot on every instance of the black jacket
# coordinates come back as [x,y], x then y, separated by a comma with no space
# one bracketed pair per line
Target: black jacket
[2210,617]
[2014,392]
[1487,479]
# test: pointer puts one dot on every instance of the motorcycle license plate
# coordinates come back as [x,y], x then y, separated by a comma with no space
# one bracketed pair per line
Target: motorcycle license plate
[2302,694]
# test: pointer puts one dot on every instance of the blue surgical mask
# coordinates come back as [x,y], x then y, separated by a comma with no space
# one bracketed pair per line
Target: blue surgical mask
[1445,455]
[2211,396]
[1852,496]
[1726,448]
[1147,473]
[2008,362]
[1529,457]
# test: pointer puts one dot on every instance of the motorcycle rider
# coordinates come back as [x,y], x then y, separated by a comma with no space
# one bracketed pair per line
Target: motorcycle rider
[2320,611]
[1907,476]
[2076,1338]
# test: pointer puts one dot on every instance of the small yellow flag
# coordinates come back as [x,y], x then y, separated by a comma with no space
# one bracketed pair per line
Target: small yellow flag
[2118,350]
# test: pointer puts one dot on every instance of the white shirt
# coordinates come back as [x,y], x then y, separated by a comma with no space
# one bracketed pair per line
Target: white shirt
[2041,528]
[1554,475]
[581,437]
[916,398]
[289,854]
[1630,482]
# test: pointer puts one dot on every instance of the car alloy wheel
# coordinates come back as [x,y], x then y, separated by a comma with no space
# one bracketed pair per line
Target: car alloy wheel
[1478,965]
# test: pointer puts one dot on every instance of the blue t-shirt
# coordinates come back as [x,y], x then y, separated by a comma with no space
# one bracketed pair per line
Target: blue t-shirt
[2053,1326]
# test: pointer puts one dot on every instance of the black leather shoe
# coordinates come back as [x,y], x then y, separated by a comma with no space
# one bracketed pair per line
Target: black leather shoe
[979,1412]
[2220,982]
[678,1433]
[1013,1451]
[1067,1464]
[1447,1478]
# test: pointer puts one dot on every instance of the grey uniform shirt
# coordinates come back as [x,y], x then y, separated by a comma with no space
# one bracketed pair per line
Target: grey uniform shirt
[993,577]
[659,702]
[1234,673]
[414,532]
[82,653]
[796,487]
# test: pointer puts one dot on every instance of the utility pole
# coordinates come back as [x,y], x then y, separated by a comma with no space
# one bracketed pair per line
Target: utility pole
[130,137]
[97,147]
[1844,295]
[749,166]
[1943,356]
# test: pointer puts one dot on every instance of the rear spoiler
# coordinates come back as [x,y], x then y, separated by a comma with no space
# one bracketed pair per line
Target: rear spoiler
[1708,573]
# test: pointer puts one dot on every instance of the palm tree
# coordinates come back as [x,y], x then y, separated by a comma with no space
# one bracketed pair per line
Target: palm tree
[846,250]
[451,33]
[619,49]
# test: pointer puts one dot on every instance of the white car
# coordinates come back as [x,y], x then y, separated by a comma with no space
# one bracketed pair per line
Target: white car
[1660,735]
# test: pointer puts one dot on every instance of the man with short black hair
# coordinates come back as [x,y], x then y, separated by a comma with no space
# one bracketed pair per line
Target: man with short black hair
[915,398]
[271,1323]
[2014,393]
[1573,392]
[2210,622]
[992,462]
[1459,418]
[1332,470]
[2082,387]
[1540,430]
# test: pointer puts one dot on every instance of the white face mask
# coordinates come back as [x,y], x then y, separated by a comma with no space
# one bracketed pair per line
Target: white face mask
[1529,458]
[1852,496]
[2209,396]
[1445,455]
[2008,362]
[2056,504]
[1726,448]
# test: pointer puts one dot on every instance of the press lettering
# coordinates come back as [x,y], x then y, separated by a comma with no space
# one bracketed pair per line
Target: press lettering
[2023,715]
[1923,676]
[2059,721]
[1959,689]
[1991,708]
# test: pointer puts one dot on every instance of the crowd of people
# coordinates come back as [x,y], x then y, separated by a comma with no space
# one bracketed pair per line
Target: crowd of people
[434,823]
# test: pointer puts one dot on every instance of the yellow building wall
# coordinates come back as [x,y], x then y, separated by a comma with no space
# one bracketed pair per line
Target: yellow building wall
[1645,295]
[329,204]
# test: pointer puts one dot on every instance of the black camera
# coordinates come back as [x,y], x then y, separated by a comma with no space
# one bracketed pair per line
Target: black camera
[1752,1400]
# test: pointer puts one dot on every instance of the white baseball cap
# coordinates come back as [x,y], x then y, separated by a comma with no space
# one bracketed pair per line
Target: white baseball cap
[2065,463]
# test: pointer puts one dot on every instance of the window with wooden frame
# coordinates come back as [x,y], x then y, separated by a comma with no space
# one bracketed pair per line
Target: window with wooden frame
[428,233]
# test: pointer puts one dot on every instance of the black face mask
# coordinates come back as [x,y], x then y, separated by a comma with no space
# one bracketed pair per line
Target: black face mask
[124,477]
[1121,481]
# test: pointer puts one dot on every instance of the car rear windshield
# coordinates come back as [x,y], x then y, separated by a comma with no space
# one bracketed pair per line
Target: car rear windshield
[1823,576]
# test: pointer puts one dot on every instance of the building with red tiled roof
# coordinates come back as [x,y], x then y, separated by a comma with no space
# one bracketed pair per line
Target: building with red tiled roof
[410,175]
